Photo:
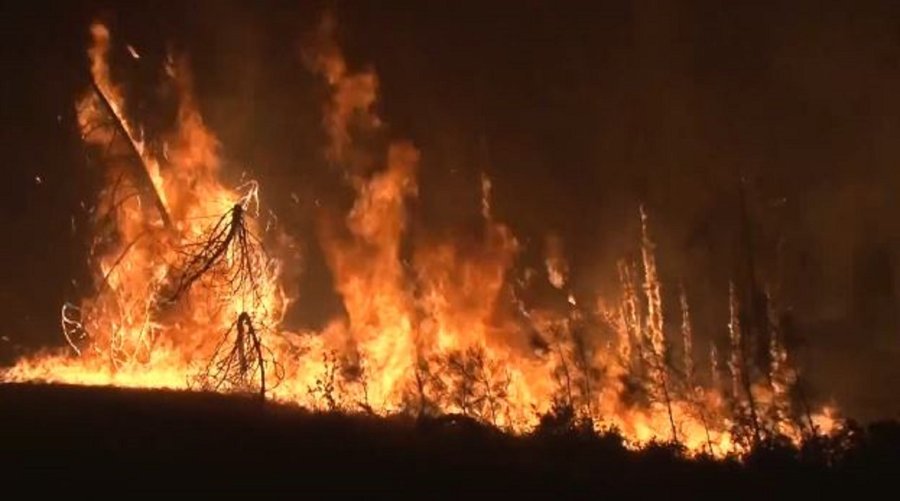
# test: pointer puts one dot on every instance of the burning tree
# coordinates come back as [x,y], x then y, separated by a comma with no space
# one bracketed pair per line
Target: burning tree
[231,261]
[759,403]
[229,255]
[237,363]
[656,355]
[694,393]
[165,279]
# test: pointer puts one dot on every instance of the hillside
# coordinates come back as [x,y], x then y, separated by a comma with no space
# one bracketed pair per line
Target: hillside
[97,438]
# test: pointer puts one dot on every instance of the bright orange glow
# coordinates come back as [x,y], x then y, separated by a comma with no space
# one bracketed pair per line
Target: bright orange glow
[444,333]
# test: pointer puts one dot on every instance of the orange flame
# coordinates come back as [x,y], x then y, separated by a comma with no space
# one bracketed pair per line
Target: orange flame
[445,333]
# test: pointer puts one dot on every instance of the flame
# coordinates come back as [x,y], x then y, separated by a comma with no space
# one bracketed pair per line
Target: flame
[128,334]
[555,262]
[440,331]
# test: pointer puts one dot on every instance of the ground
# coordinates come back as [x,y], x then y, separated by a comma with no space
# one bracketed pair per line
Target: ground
[100,440]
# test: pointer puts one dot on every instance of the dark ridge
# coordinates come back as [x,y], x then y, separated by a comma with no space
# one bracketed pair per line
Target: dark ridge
[102,440]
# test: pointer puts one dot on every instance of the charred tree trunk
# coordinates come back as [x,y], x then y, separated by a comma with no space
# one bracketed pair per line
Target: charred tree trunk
[668,400]
[754,332]
[141,174]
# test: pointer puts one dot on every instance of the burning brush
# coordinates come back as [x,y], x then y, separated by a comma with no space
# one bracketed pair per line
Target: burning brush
[239,361]
[230,261]
[228,256]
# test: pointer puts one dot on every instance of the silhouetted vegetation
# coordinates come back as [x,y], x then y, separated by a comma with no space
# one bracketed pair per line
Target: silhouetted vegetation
[104,438]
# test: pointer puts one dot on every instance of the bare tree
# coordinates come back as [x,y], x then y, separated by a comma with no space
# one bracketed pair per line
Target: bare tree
[238,363]
[230,253]
[231,261]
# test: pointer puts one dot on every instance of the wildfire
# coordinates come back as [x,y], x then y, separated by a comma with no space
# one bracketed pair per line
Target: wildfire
[189,295]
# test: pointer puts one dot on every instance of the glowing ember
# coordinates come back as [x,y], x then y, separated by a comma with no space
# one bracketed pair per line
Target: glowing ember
[189,295]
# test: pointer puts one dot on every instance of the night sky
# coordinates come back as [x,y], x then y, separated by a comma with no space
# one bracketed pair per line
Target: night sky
[578,111]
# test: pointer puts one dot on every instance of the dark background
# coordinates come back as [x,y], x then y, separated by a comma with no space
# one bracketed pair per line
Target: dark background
[579,111]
